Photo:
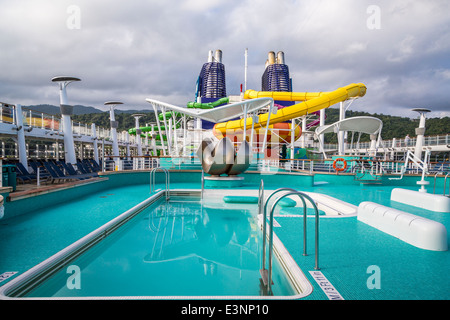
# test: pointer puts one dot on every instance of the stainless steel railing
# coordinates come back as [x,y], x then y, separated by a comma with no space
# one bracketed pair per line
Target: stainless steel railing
[167,180]
[266,275]
[445,182]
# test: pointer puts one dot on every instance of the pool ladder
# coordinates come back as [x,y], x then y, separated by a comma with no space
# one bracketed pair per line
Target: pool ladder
[167,180]
[445,184]
[203,184]
[266,274]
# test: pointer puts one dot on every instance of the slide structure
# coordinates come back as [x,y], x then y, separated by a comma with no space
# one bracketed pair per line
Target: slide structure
[169,114]
[311,102]
[148,129]
[208,105]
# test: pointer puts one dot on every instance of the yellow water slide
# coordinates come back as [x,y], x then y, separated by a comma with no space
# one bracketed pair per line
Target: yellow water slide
[311,102]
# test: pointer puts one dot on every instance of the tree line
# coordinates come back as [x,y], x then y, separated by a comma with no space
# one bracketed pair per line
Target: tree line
[393,126]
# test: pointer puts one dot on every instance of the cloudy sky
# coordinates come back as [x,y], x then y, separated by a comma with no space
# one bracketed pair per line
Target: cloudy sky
[133,50]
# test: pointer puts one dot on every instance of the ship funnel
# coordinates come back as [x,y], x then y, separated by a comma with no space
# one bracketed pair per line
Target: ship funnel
[210,56]
[271,57]
[218,56]
[280,57]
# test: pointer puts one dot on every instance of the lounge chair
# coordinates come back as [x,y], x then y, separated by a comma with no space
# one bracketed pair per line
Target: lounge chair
[38,165]
[23,174]
[89,165]
[56,176]
[71,170]
[95,165]
[60,171]
[83,169]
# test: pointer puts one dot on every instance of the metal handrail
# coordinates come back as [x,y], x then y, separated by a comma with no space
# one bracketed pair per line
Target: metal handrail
[434,186]
[203,183]
[267,274]
[167,184]
[263,270]
[260,196]
[445,180]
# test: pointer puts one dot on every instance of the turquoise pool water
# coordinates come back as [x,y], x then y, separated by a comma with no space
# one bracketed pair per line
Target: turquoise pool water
[347,246]
[28,239]
[180,248]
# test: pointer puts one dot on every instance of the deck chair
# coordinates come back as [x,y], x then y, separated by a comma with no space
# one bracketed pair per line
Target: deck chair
[71,170]
[83,169]
[55,176]
[95,165]
[60,171]
[23,174]
[36,166]
[89,166]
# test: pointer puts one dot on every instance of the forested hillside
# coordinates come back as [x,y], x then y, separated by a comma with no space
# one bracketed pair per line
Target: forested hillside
[393,126]
[125,120]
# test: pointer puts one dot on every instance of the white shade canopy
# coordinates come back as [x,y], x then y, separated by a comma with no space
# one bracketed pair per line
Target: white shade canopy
[218,114]
[362,124]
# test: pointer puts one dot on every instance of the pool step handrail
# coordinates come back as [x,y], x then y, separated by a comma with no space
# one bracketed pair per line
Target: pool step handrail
[419,163]
[263,271]
[203,183]
[266,275]
[167,180]
[261,196]
[434,184]
[445,182]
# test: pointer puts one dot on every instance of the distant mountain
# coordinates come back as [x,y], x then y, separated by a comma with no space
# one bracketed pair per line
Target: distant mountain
[132,111]
[54,110]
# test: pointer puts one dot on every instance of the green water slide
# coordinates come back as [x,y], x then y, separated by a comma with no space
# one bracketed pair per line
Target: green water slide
[169,114]
[148,129]
[209,105]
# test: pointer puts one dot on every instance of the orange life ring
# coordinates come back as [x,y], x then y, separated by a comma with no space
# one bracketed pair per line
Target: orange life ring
[339,168]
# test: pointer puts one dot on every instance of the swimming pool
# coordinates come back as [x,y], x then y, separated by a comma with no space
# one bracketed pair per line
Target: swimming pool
[348,247]
[184,248]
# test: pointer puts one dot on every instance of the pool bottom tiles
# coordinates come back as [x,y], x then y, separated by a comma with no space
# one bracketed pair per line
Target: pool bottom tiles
[176,249]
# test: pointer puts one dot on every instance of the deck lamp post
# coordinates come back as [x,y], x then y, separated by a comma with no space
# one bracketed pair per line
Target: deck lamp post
[136,117]
[95,142]
[114,125]
[66,112]
[420,132]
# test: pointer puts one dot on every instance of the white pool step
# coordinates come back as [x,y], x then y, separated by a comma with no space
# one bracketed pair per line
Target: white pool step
[428,201]
[417,231]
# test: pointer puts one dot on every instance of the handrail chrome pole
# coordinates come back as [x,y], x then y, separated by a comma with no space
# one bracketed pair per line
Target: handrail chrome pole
[264,212]
[445,181]
[301,195]
[167,180]
[434,186]
[203,183]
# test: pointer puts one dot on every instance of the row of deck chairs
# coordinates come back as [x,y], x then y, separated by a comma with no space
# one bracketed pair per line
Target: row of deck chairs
[440,168]
[57,171]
